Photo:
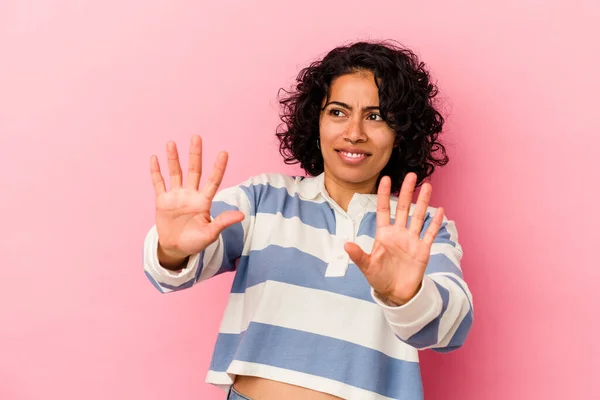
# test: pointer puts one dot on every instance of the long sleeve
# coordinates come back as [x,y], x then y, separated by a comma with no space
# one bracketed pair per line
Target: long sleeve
[219,257]
[440,315]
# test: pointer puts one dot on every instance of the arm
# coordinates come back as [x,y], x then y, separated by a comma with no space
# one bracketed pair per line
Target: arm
[440,315]
[414,270]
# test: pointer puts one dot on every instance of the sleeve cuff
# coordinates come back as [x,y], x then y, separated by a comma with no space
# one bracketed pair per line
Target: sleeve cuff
[418,312]
[157,270]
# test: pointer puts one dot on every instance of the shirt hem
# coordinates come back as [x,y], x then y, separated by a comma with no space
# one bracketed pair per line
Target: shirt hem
[225,379]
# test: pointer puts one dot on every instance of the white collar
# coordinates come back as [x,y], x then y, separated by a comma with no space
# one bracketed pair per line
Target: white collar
[311,187]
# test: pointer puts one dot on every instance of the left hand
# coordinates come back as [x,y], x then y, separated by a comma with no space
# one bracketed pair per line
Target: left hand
[396,266]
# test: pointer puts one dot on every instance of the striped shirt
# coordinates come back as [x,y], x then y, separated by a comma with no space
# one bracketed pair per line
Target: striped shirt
[300,311]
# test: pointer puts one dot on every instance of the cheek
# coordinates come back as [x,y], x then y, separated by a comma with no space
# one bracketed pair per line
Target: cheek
[385,156]
[386,150]
[330,130]
[386,142]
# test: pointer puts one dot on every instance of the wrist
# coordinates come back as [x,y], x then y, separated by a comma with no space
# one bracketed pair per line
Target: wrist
[171,260]
[394,300]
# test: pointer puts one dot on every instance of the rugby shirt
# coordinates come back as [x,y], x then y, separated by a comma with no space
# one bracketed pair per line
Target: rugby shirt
[300,311]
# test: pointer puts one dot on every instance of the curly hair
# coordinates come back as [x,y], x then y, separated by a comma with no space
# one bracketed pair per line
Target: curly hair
[406,100]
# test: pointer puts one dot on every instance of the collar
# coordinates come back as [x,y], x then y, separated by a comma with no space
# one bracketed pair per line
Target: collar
[310,187]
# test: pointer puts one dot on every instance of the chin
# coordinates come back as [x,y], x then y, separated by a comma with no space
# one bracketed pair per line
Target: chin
[355,176]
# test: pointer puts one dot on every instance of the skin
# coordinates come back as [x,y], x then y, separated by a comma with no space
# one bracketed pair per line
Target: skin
[350,119]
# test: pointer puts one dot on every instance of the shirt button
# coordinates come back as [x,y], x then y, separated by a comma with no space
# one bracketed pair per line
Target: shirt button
[340,257]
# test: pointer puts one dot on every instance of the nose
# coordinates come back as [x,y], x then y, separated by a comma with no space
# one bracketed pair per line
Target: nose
[355,132]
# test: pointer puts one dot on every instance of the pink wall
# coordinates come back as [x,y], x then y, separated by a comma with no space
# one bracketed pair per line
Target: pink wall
[89,90]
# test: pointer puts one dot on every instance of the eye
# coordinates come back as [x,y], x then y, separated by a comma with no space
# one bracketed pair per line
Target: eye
[336,112]
[375,117]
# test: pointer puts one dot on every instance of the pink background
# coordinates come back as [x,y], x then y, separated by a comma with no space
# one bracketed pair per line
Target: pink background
[89,91]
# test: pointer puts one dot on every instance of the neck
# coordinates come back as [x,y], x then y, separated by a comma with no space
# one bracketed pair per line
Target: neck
[342,192]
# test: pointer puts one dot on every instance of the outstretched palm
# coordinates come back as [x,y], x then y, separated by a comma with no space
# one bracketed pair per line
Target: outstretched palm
[183,220]
[399,257]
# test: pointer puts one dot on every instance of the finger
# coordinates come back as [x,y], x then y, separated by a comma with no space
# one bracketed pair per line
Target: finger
[434,227]
[418,217]
[214,181]
[195,163]
[357,255]
[405,199]
[223,220]
[383,202]
[157,179]
[174,166]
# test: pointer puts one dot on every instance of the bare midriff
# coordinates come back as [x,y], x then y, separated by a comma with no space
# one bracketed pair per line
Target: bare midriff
[258,388]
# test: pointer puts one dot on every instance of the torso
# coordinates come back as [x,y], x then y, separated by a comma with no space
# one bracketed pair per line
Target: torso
[264,389]
[298,297]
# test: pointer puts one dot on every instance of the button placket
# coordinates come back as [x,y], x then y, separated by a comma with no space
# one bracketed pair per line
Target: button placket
[338,264]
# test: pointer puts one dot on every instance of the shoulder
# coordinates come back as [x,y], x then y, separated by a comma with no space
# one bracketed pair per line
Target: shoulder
[267,185]
[273,179]
[273,189]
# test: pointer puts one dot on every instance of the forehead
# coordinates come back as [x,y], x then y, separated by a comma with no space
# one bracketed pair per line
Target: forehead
[357,87]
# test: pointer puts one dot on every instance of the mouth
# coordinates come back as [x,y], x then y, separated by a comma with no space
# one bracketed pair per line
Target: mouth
[353,156]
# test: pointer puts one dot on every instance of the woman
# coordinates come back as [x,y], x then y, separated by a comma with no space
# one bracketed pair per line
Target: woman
[337,283]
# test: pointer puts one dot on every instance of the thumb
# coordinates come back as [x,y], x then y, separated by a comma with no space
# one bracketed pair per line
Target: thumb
[357,255]
[224,220]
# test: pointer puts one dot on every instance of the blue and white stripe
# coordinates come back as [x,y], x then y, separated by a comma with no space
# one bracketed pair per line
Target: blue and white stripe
[301,312]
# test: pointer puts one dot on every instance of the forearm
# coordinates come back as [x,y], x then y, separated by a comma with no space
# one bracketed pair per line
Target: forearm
[439,316]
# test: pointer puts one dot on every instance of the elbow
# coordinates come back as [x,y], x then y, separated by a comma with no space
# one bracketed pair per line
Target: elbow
[459,336]
[154,282]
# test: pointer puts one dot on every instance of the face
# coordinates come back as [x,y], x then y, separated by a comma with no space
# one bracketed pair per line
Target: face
[355,141]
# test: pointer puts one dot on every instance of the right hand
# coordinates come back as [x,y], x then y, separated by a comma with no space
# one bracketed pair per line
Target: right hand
[183,220]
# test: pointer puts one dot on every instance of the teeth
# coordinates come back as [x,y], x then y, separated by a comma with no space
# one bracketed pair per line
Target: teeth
[353,155]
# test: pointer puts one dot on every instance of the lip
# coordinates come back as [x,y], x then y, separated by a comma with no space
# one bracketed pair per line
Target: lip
[353,150]
[352,160]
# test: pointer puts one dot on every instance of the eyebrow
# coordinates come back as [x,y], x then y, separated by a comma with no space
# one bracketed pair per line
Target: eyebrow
[348,107]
